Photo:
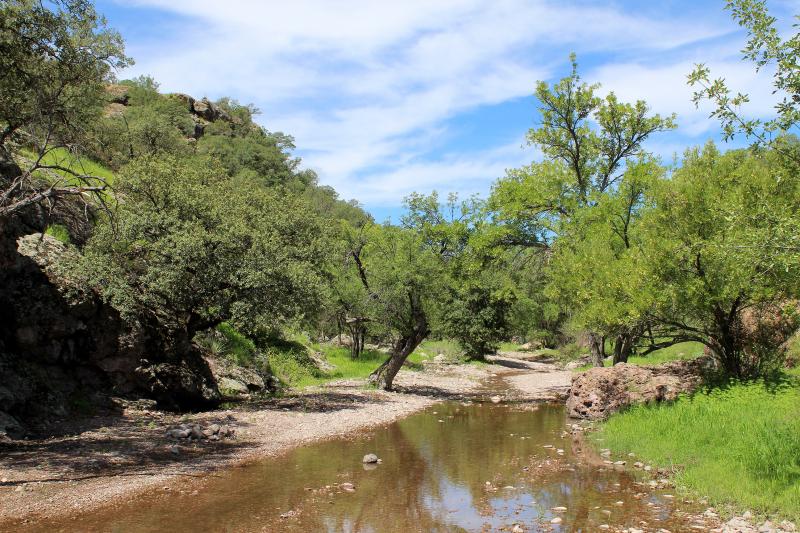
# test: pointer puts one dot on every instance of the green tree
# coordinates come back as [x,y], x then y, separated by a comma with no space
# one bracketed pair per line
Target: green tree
[190,247]
[404,279]
[587,142]
[764,48]
[476,308]
[55,58]
[721,254]
[592,269]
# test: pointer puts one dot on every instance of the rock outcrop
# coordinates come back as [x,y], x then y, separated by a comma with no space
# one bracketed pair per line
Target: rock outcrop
[61,346]
[599,392]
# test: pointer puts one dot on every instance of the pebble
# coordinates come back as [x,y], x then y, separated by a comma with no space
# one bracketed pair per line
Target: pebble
[556,520]
[517,529]
[559,509]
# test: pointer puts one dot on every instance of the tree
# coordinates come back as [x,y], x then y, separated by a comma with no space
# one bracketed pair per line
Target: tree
[587,142]
[593,271]
[721,254]
[54,61]
[190,248]
[476,307]
[404,279]
[765,48]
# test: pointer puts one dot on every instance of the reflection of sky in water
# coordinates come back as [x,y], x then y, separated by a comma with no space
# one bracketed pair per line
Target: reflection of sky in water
[432,479]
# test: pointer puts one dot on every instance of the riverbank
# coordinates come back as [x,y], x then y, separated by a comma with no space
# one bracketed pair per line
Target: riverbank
[96,462]
[736,446]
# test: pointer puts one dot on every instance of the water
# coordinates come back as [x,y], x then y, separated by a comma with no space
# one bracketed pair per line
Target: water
[433,478]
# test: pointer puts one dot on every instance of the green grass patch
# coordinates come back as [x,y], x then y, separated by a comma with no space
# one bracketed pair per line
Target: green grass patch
[738,445]
[431,348]
[58,232]
[296,369]
[509,347]
[676,352]
[79,164]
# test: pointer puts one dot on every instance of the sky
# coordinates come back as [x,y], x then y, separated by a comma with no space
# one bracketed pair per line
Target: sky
[385,98]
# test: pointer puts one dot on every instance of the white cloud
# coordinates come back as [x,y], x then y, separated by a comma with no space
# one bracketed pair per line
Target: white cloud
[367,87]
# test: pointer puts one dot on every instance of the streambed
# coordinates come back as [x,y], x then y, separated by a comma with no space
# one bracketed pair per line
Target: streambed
[457,466]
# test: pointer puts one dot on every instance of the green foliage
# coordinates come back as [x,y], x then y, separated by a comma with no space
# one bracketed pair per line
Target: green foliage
[58,231]
[191,248]
[737,445]
[238,347]
[55,58]
[477,318]
[722,240]
[766,49]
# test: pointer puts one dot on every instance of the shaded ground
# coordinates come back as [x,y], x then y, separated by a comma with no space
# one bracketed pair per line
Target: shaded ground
[96,461]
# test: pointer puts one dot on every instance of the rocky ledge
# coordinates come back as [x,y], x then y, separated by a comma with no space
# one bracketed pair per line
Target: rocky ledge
[599,392]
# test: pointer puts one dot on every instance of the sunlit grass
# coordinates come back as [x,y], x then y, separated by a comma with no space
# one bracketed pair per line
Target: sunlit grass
[295,372]
[64,158]
[676,352]
[737,445]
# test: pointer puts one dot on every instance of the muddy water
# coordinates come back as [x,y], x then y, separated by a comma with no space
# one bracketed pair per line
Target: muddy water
[454,467]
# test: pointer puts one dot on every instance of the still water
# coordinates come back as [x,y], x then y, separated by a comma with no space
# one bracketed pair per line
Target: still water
[454,467]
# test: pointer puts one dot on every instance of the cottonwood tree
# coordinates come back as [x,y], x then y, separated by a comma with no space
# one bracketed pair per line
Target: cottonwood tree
[587,142]
[55,58]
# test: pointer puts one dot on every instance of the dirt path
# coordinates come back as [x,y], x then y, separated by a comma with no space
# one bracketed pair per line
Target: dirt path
[98,461]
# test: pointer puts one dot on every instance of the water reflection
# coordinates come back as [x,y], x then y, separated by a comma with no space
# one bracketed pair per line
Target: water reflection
[451,468]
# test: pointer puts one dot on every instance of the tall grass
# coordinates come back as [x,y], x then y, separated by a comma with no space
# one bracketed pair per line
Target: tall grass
[737,445]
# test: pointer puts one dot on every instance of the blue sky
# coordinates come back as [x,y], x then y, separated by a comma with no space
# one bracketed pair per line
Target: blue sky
[385,98]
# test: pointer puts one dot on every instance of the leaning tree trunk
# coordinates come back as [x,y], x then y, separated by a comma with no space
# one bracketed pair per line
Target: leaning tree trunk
[384,375]
[596,349]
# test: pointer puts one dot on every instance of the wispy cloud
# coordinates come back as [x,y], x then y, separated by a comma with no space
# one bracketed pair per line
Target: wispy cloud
[369,89]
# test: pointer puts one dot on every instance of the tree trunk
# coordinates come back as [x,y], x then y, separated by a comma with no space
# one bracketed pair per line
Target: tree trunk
[623,346]
[384,375]
[727,341]
[595,349]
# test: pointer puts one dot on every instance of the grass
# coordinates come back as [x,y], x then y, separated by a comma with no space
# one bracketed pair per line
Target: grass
[82,165]
[738,445]
[59,232]
[431,348]
[677,352]
[297,371]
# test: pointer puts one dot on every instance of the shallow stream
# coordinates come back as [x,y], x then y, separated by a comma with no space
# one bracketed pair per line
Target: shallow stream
[454,467]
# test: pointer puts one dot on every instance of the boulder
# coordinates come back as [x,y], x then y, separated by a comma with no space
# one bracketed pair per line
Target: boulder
[599,392]
[232,387]
[370,458]
[205,109]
